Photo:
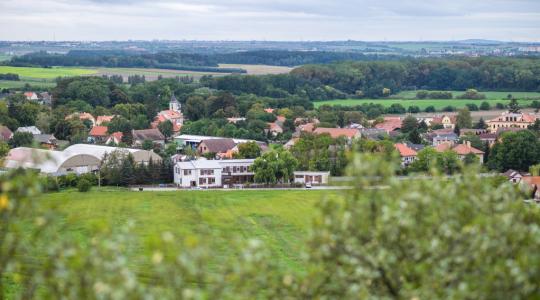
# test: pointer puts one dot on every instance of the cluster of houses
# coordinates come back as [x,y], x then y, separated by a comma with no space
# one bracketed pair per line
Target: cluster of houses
[216,166]
[100,134]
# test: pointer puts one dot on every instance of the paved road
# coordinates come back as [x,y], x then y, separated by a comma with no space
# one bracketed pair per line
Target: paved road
[172,189]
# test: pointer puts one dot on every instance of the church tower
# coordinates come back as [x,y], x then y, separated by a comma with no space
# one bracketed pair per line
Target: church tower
[174,105]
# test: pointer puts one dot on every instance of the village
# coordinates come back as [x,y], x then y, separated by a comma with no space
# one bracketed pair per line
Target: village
[208,162]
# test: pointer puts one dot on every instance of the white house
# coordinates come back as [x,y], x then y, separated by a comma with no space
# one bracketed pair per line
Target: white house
[197,173]
[213,173]
[312,177]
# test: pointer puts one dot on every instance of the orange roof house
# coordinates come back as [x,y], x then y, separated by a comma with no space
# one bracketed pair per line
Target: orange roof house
[462,150]
[407,154]
[115,137]
[511,120]
[390,124]
[103,119]
[82,116]
[99,133]
[338,132]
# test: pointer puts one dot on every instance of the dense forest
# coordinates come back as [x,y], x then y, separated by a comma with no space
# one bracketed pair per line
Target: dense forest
[190,61]
[375,79]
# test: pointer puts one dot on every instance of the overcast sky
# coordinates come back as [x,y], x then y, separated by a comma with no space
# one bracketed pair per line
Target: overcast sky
[370,20]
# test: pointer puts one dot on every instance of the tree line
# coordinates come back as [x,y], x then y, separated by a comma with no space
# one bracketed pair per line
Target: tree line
[378,79]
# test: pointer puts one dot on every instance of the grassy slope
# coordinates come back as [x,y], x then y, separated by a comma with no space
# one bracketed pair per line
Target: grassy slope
[279,218]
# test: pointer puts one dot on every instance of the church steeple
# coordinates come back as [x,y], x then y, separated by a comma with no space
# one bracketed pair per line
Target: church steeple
[174,105]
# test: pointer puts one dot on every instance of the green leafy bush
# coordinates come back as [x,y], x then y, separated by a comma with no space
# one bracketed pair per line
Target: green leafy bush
[84,185]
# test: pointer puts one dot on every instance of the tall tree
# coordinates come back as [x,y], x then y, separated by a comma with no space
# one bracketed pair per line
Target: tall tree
[464,119]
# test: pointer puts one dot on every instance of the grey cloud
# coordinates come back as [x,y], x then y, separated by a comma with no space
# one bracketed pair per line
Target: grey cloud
[267,19]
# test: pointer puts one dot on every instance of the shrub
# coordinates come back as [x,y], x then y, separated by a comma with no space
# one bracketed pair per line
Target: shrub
[430,108]
[413,109]
[422,94]
[472,94]
[500,105]
[449,108]
[440,95]
[472,106]
[485,106]
[84,185]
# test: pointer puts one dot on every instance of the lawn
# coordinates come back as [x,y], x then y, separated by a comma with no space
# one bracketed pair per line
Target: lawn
[278,218]
[46,73]
[407,98]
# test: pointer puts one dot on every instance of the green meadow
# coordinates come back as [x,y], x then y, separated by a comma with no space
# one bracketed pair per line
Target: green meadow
[280,219]
[408,99]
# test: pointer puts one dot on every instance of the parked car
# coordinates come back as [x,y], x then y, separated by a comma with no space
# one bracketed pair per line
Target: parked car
[308,185]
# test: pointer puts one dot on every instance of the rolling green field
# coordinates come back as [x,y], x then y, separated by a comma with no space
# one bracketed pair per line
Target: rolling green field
[278,218]
[46,73]
[40,77]
[407,99]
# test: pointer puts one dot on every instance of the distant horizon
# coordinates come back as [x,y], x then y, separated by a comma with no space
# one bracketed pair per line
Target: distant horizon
[270,20]
[283,41]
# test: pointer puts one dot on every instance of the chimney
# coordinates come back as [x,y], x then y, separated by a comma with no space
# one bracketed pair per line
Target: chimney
[468,144]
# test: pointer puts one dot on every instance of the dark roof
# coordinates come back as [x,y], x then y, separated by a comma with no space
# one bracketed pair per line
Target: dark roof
[415,147]
[148,134]
[45,138]
[488,136]
[219,145]
[5,133]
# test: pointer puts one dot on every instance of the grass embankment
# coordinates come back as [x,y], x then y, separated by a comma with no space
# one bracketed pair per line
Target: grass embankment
[406,99]
[278,218]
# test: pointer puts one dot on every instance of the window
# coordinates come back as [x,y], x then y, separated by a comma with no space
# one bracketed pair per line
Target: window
[211,180]
[207,172]
[187,172]
[202,180]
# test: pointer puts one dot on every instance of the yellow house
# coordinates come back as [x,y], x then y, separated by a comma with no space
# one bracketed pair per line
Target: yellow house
[511,120]
[446,121]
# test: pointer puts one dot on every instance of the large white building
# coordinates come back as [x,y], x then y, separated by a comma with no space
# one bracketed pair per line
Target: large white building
[213,173]
[79,158]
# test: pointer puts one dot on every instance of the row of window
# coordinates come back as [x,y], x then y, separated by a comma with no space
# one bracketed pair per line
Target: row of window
[209,180]
[235,169]
[187,172]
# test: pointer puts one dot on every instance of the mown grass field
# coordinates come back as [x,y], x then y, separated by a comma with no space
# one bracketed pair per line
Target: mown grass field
[278,218]
[407,99]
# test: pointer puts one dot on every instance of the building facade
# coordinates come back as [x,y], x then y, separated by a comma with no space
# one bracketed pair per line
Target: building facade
[213,173]
[511,120]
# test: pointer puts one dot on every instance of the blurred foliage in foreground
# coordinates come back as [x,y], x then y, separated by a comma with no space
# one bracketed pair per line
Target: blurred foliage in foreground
[461,238]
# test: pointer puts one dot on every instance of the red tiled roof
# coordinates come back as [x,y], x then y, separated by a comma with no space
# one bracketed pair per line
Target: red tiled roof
[337,132]
[442,147]
[280,119]
[170,114]
[29,94]
[102,119]
[275,127]
[529,118]
[404,150]
[99,131]
[117,135]
[269,110]
[531,180]
[463,149]
[309,127]
[390,124]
